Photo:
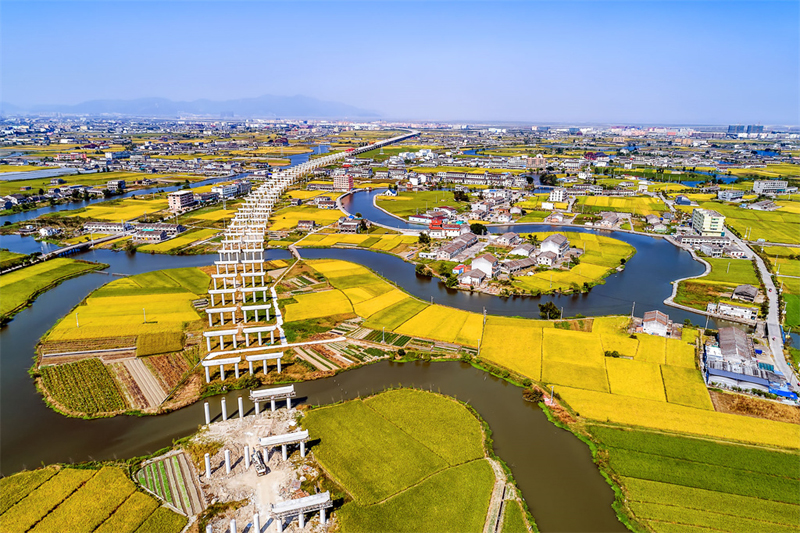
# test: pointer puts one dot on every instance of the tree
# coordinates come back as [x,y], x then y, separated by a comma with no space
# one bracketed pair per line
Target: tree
[359,215]
[424,238]
[478,229]
[622,261]
[363,225]
[549,311]
[41,192]
[452,281]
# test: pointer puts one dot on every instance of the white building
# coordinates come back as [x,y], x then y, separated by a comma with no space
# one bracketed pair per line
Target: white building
[707,222]
[656,323]
[558,194]
[770,186]
[486,263]
[557,244]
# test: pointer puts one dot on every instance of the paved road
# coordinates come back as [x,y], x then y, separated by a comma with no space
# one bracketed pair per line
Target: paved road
[773,318]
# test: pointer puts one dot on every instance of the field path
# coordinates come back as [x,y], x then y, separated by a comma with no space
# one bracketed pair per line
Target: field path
[495,504]
[149,385]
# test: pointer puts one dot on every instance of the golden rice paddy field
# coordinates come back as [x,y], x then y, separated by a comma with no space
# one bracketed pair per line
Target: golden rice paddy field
[126,209]
[654,383]
[640,205]
[184,239]
[287,218]
[386,242]
[601,255]
[120,308]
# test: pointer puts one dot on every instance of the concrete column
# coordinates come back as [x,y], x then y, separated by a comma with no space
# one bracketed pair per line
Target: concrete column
[283,452]
[222,372]
[279,523]
[256,314]
[279,366]
[256,523]
[250,366]
[272,338]
[259,338]
[265,365]
[288,403]
[258,407]
[221,344]
[236,370]
[302,449]
[233,313]
[221,318]
[244,316]
[246,339]
[241,407]
[208,466]
[234,342]
[233,525]
[272,402]
[267,312]
[301,518]
[208,343]
[246,457]
[209,529]
[209,319]
[208,376]
[207,409]
[227,461]
[224,409]
[322,518]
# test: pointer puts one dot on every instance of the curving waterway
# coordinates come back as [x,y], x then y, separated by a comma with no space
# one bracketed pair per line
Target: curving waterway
[553,469]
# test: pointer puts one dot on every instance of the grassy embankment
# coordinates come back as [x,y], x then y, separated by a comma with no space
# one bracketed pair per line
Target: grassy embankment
[56,499]
[726,274]
[112,317]
[22,286]
[406,460]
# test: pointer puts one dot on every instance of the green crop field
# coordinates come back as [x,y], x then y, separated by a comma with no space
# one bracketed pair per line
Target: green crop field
[411,203]
[98,180]
[287,218]
[732,271]
[513,518]
[7,258]
[79,500]
[85,386]
[675,483]
[725,276]
[395,315]
[773,226]
[411,460]
[21,286]
[116,309]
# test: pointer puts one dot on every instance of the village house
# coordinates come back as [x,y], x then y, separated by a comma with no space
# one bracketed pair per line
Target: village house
[555,218]
[486,263]
[472,278]
[306,225]
[517,265]
[733,310]
[349,225]
[508,239]
[524,250]
[656,323]
[546,259]
[557,244]
[559,194]
[746,293]
[609,220]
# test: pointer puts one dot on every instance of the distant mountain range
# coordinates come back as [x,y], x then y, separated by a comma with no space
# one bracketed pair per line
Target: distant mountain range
[267,106]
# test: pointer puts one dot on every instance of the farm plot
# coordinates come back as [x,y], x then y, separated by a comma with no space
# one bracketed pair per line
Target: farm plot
[673,417]
[395,315]
[146,382]
[288,217]
[172,479]
[674,481]
[573,347]
[21,286]
[181,241]
[635,378]
[640,205]
[514,343]
[163,298]
[367,308]
[317,305]
[16,487]
[444,324]
[685,386]
[387,453]
[84,386]
[126,209]
[169,369]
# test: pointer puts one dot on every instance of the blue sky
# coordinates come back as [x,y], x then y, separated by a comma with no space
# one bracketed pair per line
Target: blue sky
[623,62]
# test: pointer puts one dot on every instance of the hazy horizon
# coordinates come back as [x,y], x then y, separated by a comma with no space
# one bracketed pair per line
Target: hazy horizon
[528,62]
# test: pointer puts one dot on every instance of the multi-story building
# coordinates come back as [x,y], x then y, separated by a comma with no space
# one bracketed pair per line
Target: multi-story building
[730,195]
[180,200]
[558,194]
[770,186]
[707,222]
[226,190]
[343,182]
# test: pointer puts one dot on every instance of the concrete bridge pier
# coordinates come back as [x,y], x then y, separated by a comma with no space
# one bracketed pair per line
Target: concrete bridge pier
[247,457]
[207,409]
[224,404]
[322,518]
[241,407]
[227,461]
[208,376]
[208,466]
[258,408]
[236,371]
[233,525]
[288,403]
[301,518]
[283,452]
[250,366]
[256,523]
[221,370]
[302,449]
[272,404]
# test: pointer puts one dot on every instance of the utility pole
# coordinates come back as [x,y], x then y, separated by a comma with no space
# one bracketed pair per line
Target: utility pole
[77,324]
[383,336]
[729,267]
[707,317]
[632,309]
[144,315]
